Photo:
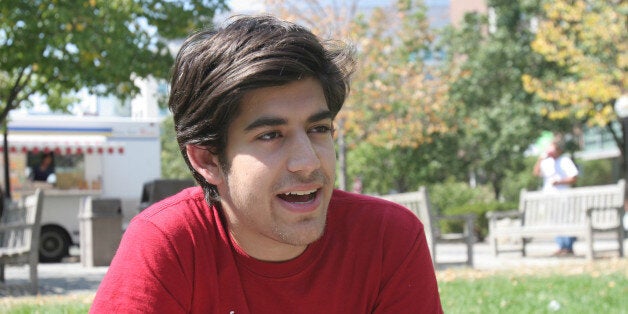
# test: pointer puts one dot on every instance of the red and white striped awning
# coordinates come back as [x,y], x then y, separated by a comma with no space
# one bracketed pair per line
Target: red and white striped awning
[62,144]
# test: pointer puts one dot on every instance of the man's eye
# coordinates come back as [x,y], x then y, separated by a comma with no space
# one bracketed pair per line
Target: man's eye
[269,136]
[321,129]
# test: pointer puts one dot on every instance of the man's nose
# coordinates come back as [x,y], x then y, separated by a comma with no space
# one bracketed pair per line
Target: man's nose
[303,156]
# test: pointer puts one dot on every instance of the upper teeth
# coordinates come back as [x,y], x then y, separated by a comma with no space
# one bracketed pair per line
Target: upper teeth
[301,192]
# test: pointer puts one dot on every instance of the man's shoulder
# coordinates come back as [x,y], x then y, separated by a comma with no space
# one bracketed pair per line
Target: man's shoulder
[354,199]
[379,224]
[181,206]
[360,207]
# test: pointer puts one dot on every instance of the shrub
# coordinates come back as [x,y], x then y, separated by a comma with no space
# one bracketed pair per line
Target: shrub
[597,172]
[454,194]
[479,209]
[515,181]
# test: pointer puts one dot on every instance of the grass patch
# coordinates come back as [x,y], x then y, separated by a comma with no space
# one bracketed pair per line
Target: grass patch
[49,304]
[590,288]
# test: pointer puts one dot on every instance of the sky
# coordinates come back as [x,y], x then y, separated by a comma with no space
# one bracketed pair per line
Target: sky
[253,6]
[246,6]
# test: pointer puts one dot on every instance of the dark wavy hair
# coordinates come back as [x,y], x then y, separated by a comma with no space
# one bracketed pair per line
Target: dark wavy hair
[214,69]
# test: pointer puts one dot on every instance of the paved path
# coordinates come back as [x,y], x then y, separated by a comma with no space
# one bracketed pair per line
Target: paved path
[539,255]
[71,277]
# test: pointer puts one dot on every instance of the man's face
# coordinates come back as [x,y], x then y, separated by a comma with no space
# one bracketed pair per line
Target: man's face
[280,176]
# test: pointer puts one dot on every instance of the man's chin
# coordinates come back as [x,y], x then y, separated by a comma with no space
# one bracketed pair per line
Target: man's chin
[304,232]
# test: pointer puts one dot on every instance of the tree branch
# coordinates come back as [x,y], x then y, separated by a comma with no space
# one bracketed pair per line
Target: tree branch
[618,141]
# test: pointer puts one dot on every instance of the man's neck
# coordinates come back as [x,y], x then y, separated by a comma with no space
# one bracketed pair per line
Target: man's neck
[265,249]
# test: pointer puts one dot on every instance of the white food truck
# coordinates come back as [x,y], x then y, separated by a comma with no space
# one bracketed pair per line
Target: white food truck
[108,157]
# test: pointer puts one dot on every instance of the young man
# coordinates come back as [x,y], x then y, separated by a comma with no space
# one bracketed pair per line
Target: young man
[253,105]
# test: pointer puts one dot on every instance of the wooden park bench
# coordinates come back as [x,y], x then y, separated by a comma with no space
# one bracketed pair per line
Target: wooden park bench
[582,212]
[19,236]
[419,203]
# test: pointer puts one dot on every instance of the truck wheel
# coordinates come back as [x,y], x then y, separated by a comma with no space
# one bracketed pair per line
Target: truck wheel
[54,244]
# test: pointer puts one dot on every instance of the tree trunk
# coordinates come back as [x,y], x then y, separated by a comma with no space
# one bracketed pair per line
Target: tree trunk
[342,156]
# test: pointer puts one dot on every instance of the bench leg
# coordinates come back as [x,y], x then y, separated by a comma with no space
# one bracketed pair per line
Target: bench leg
[470,252]
[589,240]
[493,241]
[33,262]
[470,238]
[524,242]
[620,240]
[34,279]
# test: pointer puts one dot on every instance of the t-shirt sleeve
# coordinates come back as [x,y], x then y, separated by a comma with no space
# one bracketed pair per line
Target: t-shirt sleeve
[409,283]
[569,167]
[146,278]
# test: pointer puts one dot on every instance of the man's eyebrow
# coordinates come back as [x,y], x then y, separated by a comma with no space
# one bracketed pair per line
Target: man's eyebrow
[275,121]
[265,121]
[325,114]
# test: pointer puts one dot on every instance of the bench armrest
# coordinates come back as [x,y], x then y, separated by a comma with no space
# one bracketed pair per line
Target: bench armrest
[496,215]
[590,210]
[468,219]
[463,217]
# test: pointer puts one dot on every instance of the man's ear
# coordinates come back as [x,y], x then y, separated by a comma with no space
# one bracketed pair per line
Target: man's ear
[205,163]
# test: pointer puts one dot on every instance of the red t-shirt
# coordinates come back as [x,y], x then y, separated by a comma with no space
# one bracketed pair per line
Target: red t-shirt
[177,257]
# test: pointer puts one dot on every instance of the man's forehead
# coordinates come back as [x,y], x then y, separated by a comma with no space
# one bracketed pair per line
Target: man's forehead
[300,100]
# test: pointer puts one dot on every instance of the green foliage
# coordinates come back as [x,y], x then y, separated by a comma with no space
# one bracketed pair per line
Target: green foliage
[455,194]
[515,181]
[401,169]
[172,164]
[597,172]
[497,117]
[54,48]
[384,170]
[480,210]
[456,198]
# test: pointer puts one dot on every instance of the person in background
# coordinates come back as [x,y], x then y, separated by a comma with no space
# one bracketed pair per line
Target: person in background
[559,173]
[254,104]
[45,168]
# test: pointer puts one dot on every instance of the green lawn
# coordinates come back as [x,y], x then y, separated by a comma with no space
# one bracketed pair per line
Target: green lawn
[600,287]
[50,304]
[590,288]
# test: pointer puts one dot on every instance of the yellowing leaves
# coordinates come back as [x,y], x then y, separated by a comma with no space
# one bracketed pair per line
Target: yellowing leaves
[79,27]
[588,39]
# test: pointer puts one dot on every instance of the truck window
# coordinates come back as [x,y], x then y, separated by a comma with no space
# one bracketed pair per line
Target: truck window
[69,170]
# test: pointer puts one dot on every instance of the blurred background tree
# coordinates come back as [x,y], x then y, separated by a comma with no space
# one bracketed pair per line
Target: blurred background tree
[172,164]
[498,119]
[54,48]
[586,42]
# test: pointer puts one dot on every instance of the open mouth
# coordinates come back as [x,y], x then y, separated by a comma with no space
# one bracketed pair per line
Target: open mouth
[298,196]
